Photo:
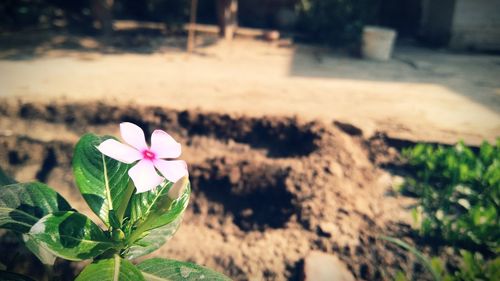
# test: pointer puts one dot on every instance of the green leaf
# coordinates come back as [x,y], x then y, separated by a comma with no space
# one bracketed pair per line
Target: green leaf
[23,204]
[423,259]
[157,218]
[468,262]
[492,268]
[38,250]
[437,265]
[42,253]
[486,151]
[70,235]
[112,269]
[459,193]
[164,269]
[153,239]
[4,179]
[10,276]
[114,221]
[400,276]
[142,205]
[103,182]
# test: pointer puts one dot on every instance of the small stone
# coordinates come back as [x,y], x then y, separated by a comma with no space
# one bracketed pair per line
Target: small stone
[398,183]
[334,168]
[348,128]
[272,35]
[328,229]
[394,182]
[89,43]
[248,212]
[234,175]
[385,180]
[320,266]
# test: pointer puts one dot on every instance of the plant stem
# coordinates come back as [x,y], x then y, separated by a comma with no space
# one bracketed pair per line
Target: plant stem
[120,211]
[140,229]
[151,217]
[49,272]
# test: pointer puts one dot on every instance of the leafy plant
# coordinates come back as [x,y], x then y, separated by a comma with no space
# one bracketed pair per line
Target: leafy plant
[472,267]
[135,224]
[459,193]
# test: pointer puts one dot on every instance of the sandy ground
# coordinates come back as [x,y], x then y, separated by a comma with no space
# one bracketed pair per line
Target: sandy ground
[266,191]
[419,95]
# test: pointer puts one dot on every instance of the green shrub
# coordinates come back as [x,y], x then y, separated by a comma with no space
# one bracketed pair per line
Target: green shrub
[459,193]
[336,22]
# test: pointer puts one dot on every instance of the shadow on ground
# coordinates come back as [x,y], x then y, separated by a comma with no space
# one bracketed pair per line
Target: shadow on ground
[31,44]
[472,75]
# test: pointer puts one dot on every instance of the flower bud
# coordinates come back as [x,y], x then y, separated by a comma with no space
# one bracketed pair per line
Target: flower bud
[118,235]
[164,203]
[178,188]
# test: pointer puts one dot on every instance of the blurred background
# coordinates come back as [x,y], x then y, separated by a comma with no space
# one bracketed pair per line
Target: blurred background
[308,125]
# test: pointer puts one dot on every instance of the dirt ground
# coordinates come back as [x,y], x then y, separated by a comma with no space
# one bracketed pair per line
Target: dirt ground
[421,94]
[274,177]
[266,191]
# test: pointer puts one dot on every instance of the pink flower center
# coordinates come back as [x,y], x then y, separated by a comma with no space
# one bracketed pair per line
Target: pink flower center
[149,155]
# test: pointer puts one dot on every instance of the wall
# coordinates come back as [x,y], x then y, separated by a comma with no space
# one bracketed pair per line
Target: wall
[437,19]
[462,24]
[476,25]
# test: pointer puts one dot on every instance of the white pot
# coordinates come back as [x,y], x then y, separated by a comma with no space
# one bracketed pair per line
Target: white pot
[377,43]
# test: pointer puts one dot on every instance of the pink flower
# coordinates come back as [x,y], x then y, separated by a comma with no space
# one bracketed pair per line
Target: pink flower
[144,174]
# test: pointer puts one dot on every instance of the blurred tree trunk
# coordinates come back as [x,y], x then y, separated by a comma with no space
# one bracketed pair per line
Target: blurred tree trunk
[227,16]
[103,13]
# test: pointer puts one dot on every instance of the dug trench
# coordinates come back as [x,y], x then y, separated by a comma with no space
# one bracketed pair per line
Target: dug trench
[266,191]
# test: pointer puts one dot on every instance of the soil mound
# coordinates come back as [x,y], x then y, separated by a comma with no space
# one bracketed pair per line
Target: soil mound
[266,191]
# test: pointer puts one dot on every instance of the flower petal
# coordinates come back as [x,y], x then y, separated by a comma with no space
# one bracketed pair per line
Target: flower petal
[144,176]
[119,151]
[133,135]
[172,170]
[164,146]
